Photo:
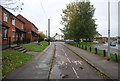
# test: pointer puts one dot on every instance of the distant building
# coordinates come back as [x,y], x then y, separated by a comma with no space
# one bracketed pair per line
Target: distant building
[58,37]
[98,35]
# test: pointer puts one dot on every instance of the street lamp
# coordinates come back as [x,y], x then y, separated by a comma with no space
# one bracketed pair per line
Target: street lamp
[49,31]
[108,30]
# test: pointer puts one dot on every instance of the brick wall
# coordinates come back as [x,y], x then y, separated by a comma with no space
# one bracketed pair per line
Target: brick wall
[29,28]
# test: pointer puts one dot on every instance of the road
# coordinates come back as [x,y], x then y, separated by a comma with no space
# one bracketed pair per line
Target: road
[115,47]
[55,62]
[113,50]
[69,65]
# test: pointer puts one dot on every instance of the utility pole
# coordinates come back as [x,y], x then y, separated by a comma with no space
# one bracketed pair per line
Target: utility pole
[46,33]
[108,30]
[49,31]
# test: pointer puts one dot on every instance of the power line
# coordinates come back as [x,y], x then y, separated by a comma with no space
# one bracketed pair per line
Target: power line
[43,10]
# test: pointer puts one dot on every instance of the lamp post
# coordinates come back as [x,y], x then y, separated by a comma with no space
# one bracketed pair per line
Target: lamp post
[108,30]
[49,31]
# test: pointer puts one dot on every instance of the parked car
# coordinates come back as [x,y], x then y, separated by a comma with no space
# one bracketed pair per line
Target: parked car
[113,43]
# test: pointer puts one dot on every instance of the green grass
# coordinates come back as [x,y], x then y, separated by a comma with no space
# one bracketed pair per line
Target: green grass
[84,44]
[44,43]
[13,43]
[36,47]
[12,59]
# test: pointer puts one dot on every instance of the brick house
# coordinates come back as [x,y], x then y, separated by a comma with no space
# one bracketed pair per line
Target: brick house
[12,28]
[15,29]
[31,29]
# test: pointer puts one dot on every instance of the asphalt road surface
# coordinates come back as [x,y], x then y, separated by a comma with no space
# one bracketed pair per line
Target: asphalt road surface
[67,65]
[55,62]
[113,49]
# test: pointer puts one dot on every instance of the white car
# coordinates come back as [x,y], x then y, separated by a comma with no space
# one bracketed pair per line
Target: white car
[113,43]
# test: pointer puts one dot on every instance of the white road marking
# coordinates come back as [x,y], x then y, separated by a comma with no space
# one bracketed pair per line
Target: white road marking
[69,60]
[63,50]
[75,72]
[65,54]
[79,62]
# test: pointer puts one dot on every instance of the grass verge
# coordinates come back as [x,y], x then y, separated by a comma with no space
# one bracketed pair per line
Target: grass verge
[12,59]
[36,47]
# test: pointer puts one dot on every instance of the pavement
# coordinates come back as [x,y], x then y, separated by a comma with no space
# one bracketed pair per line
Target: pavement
[37,68]
[107,67]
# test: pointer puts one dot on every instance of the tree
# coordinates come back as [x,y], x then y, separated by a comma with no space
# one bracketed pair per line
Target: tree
[41,34]
[41,37]
[15,5]
[78,21]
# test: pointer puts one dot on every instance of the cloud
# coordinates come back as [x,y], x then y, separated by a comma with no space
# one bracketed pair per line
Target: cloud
[34,12]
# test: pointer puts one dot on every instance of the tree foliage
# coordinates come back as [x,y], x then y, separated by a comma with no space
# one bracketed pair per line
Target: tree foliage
[78,21]
[15,5]
[42,35]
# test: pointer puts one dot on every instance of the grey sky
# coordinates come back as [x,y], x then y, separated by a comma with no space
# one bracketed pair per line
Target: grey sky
[38,12]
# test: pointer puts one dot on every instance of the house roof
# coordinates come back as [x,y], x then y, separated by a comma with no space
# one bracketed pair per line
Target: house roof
[11,13]
[99,34]
[58,35]
[27,20]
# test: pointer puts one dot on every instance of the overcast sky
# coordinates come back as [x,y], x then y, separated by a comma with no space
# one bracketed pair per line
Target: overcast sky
[38,12]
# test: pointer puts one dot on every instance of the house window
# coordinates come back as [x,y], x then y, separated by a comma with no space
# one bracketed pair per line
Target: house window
[5,34]
[13,33]
[22,26]
[5,17]
[16,36]
[21,38]
[13,21]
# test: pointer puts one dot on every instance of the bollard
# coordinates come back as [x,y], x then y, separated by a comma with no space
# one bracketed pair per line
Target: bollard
[79,45]
[95,50]
[85,47]
[90,49]
[116,57]
[104,52]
